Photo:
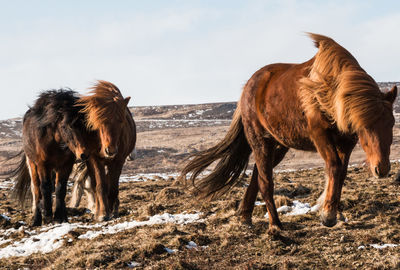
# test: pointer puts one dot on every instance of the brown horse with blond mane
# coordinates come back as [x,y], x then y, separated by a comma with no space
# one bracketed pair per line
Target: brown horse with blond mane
[324,105]
[108,116]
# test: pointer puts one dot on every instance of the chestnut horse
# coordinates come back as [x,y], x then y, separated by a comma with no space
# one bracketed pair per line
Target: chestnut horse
[82,184]
[323,105]
[52,139]
[108,116]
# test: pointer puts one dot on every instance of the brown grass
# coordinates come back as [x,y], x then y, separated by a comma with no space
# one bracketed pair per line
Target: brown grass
[372,207]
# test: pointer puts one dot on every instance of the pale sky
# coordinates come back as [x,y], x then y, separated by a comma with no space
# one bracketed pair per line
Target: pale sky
[179,52]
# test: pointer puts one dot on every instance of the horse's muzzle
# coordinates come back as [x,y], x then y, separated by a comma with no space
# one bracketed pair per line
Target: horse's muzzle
[82,158]
[110,154]
[381,171]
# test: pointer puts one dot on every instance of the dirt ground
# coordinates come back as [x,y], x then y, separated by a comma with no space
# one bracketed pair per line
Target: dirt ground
[370,208]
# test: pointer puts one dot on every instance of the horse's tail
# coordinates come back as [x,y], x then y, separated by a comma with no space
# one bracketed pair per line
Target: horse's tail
[233,154]
[22,180]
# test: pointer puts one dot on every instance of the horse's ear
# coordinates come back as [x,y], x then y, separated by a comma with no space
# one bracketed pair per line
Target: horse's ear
[126,100]
[391,95]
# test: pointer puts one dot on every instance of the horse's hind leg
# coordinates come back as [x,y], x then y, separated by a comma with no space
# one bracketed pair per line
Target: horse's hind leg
[60,214]
[247,205]
[36,195]
[264,157]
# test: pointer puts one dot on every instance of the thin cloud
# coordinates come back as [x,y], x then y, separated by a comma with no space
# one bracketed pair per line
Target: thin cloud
[184,53]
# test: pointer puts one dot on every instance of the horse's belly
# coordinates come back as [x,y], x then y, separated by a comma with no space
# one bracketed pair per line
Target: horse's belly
[291,132]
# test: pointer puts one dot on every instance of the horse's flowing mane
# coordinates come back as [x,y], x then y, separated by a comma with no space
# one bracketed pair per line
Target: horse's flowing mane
[53,106]
[105,102]
[340,88]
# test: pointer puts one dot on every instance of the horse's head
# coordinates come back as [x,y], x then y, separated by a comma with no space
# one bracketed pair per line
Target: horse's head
[105,111]
[377,138]
[72,134]
[110,130]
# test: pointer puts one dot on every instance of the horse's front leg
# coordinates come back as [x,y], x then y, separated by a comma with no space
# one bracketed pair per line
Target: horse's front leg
[62,174]
[46,190]
[336,161]
[113,174]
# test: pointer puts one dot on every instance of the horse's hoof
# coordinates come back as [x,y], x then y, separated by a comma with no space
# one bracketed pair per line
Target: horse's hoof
[328,221]
[47,219]
[60,216]
[36,223]
[246,221]
[274,230]
[60,219]
[102,218]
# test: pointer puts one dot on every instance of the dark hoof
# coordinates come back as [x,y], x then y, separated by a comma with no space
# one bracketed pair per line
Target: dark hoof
[328,222]
[60,216]
[60,219]
[47,219]
[102,218]
[274,230]
[36,222]
[246,221]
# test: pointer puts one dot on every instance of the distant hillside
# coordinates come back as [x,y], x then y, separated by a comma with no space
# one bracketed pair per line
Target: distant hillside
[209,111]
[173,116]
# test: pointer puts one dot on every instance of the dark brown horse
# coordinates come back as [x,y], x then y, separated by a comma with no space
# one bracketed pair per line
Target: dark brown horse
[324,105]
[52,140]
[108,116]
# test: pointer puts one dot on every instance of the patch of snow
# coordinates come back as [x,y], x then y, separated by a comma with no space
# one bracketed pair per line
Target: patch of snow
[170,251]
[298,208]
[284,209]
[6,184]
[191,245]
[44,242]
[377,246]
[3,241]
[50,238]
[259,203]
[315,208]
[183,120]
[12,230]
[5,217]
[133,264]
[142,177]
[157,219]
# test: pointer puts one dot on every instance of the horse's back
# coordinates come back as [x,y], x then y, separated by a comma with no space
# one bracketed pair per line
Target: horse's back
[275,90]
[41,140]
